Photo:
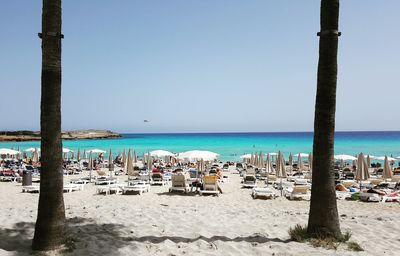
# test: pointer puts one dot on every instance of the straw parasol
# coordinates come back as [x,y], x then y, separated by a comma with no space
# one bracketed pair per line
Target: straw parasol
[310,161]
[35,157]
[300,164]
[123,157]
[252,159]
[129,165]
[280,168]
[291,162]
[134,159]
[110,163]
[387,170]
[261,163]
[368,161]
[149,162]
[362,169]
[90,166]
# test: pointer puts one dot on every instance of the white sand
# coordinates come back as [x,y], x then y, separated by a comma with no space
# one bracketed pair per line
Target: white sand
[159,223]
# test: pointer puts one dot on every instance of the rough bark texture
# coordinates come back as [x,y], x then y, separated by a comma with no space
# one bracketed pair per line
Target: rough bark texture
[323,219]
[50,230]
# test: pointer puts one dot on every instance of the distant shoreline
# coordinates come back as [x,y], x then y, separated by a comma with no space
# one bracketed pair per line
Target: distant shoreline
[65,135]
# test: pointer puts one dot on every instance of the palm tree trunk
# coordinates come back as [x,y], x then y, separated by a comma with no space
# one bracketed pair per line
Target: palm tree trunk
[323,218]
[50,229]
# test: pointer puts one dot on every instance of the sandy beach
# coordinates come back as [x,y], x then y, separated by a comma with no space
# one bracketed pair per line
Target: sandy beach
[160,223]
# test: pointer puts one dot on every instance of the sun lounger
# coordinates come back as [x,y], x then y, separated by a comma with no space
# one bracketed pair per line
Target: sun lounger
[210,185]
[370,197]
[73,187]
[299,193]
[249,181]
[272,179]
[105,181]
[31,189]
[158,179]
[342,195]
[139,187]
[116,188]
[9,178]
[80,181]
[348,183]
[394,197]
[263,192]
[303,182]
[179,183]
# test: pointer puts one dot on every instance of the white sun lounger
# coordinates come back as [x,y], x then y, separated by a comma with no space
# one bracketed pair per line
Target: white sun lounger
[370,197]
[299,193]
[249,181]
[31,189]
[179,183]
[139,187]
[106,181]
[116,188]
[158,179]
[210,185]
[73,187]
[390,199]
[263,192]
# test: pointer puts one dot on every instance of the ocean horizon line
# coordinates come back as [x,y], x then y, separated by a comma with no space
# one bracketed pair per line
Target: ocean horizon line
[251,132]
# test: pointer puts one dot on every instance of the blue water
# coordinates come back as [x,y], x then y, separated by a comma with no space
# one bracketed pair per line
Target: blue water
[231,145]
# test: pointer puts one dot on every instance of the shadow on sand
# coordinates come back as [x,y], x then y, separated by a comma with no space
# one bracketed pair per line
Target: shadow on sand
[86,233]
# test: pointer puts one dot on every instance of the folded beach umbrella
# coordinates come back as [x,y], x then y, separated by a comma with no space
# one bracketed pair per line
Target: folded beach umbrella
[84,154]
[129,164]
[280,166]
[252,159]
[268,165]
[387,170]
[110,163]
[362,169]
[35,157]
[300,164]
[134,159]
[291,162]
[368,161]
[261,160]
[78,155]
[149,162]
[123,157]
[90,166]
[310,161]
[280,169]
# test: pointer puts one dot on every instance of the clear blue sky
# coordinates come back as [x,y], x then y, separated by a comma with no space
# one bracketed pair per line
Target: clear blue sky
[199,66]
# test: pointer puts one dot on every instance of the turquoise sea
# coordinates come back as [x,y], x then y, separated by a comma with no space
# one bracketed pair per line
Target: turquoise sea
[231,146]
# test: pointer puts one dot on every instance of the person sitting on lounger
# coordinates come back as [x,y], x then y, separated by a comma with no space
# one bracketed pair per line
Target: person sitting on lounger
[219,174]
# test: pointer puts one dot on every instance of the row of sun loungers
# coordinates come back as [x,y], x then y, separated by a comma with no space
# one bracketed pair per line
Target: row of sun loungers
[67,188]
